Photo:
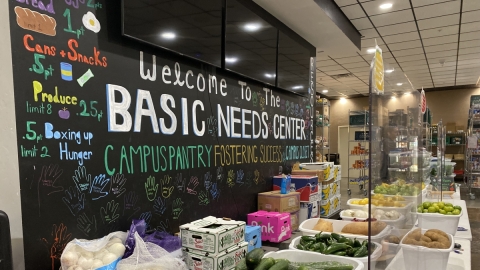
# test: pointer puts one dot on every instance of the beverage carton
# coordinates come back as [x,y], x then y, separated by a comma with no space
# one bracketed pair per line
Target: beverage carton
[253,236]
[223,261]
[212,235]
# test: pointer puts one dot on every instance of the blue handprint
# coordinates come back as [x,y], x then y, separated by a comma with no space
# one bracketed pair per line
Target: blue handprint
[240,175]
[160,206]
[215,192]
[98,185]
[208,180]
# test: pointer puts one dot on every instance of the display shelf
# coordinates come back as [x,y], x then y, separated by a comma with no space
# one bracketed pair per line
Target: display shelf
[322,120]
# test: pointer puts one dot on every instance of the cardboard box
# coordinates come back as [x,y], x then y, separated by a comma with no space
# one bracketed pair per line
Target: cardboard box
[223,261]
[318,173]
[253,237]
[327,168]
[450,127]
[328,207]
[276,227]
[460,128]
[274,201]
[309,210]
[337,172]
[295,220]
[304,184]
[212,235]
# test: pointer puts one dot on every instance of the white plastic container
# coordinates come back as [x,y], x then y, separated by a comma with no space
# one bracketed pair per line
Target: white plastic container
[407,198]
[395,223]
[423,258]
[374,256]
[308,256]
[306,228]
[402,210]
[446,223]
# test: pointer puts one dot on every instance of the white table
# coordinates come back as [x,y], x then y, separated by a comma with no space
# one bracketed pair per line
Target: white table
[464,221]
[455,261]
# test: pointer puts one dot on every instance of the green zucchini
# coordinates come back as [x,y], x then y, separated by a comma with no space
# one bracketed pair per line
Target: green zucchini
[265,264]
[281,265]
[254,257]
[242,265]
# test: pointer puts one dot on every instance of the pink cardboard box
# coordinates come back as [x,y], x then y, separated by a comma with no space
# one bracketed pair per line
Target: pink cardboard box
[276,227]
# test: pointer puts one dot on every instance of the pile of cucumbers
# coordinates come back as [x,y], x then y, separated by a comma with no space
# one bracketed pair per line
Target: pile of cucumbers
[254,261]
[334,244]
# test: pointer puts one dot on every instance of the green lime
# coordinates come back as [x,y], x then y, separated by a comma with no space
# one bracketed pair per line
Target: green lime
[448,204]
[435,204]
[432,209]
[441,205]
[441,211]
[425,210]
[426,205]
[449,213]
[457,207]
[456,212]
[420,209]
[448,208]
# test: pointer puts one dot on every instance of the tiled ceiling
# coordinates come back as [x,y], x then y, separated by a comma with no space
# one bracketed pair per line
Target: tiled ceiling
[433,43]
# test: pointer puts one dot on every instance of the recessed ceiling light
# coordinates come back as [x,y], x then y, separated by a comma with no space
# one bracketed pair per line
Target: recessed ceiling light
[389,70]
[297,87]
[168,35]
[251,27]
[399,84]
[386,6]
[371,50]
[268,75]
[325,91]
[407,93]
[343,100]
[231,59]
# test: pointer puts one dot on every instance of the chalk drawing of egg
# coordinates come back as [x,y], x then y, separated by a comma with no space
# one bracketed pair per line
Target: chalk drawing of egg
[90,22]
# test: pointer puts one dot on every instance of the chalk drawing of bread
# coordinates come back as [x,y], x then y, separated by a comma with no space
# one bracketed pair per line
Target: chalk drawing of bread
[34,21]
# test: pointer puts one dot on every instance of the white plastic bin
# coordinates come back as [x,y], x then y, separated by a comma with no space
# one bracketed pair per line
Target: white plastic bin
[446,223]
[308,256]
[402,210]
[396,223]
[423,258]
[374,256]
[306,228]
[414,199]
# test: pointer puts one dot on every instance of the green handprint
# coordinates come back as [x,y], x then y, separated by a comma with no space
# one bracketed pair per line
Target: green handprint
[230,178]
[151,188]
[177,208]
[203,198]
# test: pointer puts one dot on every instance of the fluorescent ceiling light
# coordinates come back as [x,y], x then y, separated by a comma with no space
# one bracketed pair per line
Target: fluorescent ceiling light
[372,50]
[231,59]
[386,6]
[407,93]
[389,70]
[269,75]
[393,97]
[251,27]
[168,35]
[324,91]
[399,84]
[297,87]
[343,100]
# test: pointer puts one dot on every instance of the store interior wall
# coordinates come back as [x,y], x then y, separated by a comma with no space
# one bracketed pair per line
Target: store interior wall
[9,184]
[451,105]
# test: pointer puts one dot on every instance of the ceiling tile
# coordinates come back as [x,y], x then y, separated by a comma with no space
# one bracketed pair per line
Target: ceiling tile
[353,11]
[408,58]
[392,18]
[441,31]
[373,7]
[470,43]
[440,40]
[369,33]
[342,3]
[326,63]
[408,52]
[346,60]
[438,21]
[405,45]
[442,54]
[470,36]
[413,63]
[401,37]
[443,68]
[436,10]
[474,50]
[441,47]
[369,43]
[362,23]
[471,5]
[435,64]
[469,56]
[356,65]
[330,68]
[471,16]
[418,3]
[397,28]
[470,27]
[336,72]
[412,68]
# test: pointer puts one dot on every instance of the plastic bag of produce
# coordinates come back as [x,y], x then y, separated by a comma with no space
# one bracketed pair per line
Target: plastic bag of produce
[138,225]
[150,256]
[170,243]
[102,254]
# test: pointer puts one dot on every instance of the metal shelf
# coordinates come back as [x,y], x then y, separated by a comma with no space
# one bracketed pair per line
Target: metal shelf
[365,141]
[358,169]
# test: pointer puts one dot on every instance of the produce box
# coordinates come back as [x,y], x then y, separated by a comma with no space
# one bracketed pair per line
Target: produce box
[304,184]
[318,173]
[309,210]
[337,172]
[222,261]
[276,227]
[450,127]
[330,206]
[330,189]
[274,201]
[327,168]
[295,220]
[212,235]
[253,237]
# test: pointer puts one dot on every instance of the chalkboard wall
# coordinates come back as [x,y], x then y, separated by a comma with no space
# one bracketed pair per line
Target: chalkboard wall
[110,129]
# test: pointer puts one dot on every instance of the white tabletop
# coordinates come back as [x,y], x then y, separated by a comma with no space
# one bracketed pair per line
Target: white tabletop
[464,220]
[455,261]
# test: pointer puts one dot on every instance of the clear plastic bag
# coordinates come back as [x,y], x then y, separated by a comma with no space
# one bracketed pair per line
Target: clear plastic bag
[149,256]
[103,253]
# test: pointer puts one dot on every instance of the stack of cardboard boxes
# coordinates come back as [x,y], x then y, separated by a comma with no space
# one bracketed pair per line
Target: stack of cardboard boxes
[331,197]
[213,243]
[273,201]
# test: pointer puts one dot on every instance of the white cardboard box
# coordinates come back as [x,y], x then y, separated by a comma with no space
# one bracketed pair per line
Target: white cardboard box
[212,235]
[222,261]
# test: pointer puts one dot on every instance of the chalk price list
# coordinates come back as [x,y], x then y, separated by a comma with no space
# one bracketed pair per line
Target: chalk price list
[33,136]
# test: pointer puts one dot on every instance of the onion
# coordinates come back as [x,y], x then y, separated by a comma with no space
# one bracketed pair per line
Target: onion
[117,249]
[69,258]
[85,262]
[109,258]
[97,264]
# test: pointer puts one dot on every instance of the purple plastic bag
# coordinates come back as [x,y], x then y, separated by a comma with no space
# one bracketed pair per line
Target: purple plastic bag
[139,226]
[163,239]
